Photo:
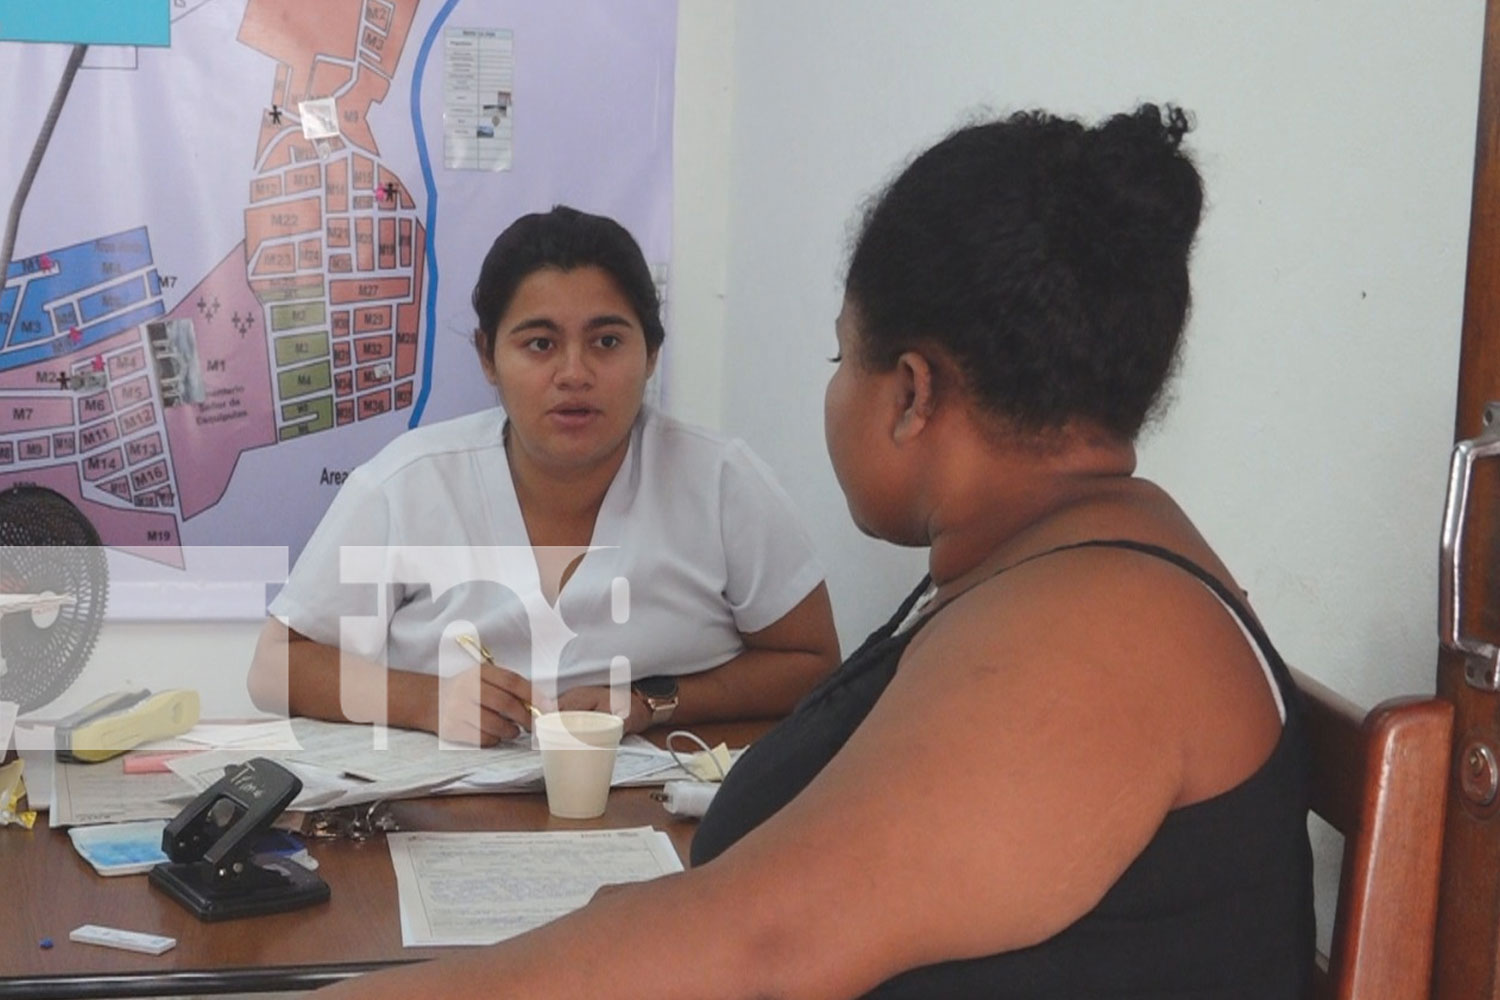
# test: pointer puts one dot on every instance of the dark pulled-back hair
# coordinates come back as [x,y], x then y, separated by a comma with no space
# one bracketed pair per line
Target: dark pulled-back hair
[565,239]
[1048,260]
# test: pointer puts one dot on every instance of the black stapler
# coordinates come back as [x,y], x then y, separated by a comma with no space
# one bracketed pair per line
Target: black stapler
[213,872]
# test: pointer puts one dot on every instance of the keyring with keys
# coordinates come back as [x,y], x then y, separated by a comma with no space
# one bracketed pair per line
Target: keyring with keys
[357,822]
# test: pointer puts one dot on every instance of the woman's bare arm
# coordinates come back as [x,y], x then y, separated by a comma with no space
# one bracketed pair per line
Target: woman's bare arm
[1033,739]
[780,664]
[292,674]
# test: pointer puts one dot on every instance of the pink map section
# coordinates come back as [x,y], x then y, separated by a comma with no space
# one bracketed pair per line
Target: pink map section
[111,522]
[236,413]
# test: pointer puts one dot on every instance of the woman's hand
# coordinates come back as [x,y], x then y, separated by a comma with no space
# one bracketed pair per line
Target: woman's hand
[597,699]
[483,705]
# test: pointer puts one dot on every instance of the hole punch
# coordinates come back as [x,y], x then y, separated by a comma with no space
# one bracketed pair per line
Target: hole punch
[214,872]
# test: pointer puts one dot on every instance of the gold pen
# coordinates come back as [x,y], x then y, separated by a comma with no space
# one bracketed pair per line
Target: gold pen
[475,648]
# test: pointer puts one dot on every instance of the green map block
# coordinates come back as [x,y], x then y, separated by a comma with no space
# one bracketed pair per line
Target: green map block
[303,381]
[301,347]
[310,416]
[289,317]
[287,289]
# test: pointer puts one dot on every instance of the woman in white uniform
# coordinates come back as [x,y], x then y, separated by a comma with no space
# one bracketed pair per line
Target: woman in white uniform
[603,554]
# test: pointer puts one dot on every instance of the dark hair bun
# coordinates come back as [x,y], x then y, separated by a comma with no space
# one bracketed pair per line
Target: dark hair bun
[1139,177]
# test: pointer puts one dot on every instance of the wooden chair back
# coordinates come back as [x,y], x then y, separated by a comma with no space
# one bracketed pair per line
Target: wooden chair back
[1381,779]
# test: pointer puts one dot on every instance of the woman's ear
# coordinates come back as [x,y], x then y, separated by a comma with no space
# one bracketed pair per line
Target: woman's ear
[916,385]
[486,358]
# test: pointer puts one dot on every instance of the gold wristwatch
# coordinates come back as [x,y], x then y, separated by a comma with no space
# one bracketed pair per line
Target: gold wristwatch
[660,696]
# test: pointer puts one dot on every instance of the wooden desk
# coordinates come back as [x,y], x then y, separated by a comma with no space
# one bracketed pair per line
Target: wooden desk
[47,890]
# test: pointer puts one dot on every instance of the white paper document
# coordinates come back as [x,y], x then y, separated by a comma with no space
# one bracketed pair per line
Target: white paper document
[405,758]
[104,793]
[637,763]
[321,788]
[267,739]
[479,888]
[377,753]
[339,765]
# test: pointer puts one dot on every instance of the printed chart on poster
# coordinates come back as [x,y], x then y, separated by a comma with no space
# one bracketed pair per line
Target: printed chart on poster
[245,258]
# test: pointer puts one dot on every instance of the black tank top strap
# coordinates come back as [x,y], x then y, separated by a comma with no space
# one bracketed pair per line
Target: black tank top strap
[1231,600]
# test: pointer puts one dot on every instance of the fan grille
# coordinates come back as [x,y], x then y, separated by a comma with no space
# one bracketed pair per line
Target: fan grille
[47,544]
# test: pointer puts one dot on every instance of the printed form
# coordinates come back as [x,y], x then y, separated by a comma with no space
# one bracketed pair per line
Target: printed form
[479,888]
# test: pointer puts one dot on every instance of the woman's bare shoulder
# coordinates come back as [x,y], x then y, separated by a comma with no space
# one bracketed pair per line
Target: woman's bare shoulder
[1119,629]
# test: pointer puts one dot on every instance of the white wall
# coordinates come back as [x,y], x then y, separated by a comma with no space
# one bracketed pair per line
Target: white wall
[1314,409]
[694,359]
[210,657]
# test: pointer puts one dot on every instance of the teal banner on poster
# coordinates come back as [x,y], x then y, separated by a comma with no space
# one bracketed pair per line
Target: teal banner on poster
[92,22]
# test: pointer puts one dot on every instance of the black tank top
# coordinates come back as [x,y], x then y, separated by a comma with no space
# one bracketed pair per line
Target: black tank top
[1218,905]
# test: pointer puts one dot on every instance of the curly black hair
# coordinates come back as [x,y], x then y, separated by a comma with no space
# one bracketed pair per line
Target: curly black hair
[1047,259]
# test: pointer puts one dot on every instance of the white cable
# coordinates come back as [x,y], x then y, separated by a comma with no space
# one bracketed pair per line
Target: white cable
[693,737]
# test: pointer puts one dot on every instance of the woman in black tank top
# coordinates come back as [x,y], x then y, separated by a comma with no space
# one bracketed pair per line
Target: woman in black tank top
[1218,904]
[1072,763]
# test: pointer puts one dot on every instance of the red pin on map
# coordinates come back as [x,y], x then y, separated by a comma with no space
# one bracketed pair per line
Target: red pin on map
[98,363]
[45,261]
[75,335]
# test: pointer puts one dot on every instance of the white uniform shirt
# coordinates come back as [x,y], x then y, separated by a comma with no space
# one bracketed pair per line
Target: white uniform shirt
[694,544]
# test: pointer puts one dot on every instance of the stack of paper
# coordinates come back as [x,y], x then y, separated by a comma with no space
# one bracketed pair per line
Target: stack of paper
[339,764]
[479,888]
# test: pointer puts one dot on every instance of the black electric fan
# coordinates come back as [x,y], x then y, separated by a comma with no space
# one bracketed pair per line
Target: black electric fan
[48,548]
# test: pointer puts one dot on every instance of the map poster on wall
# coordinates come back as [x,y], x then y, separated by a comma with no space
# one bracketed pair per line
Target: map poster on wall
[243,261]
